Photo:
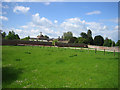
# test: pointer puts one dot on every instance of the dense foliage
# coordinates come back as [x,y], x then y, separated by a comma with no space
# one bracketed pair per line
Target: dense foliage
[67,35]
[108,42]
[46,36]
[118,43]
[99,40]
[3,35]
[11,35]
[26,38]
[86,38]
[73,40]
[82,40]
[84,35]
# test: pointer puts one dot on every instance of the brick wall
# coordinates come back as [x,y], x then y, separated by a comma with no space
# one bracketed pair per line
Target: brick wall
[16,42]
[22,42]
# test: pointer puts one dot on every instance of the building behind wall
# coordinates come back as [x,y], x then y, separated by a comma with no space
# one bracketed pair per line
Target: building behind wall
[44,39]
[39,38]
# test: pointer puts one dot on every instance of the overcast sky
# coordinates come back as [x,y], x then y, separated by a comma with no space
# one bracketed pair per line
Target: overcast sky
[54,18]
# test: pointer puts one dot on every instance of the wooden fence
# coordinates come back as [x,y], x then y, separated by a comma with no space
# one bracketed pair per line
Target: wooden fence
[116,49]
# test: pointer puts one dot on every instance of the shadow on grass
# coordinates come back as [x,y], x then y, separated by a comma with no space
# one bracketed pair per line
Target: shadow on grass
[27,52]
[60,61]
[73,55]
[10,74]
[18,59]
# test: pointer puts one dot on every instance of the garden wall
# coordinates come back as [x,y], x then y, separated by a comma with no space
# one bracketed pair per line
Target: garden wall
[21,42]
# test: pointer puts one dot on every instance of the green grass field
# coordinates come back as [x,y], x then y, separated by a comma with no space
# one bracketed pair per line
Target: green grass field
[45,67]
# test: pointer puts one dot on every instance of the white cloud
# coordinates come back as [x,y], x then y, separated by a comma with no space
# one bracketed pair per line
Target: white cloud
[93,12]
[18,30]
[47,3]
[60,0]
[14,0]
[35,31]
[1,13]
[4,6]
[55,21]
[114,20]
[96,26]
[75,25]
[4,18]
[116,27]
[105,27]
[25,27]
[32,0]
[41,21]
[18,9]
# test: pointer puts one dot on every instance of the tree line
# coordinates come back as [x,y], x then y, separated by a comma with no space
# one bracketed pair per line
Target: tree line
[12,36]
[86,38]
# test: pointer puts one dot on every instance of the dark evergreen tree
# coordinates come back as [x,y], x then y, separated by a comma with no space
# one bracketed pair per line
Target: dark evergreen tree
[89,33]
[98,40]
[3,35]
[11,36]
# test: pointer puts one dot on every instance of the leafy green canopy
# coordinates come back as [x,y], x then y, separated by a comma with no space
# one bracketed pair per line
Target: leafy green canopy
[108,42]
[26,38]
[118,43]
[67,35]
[11,35]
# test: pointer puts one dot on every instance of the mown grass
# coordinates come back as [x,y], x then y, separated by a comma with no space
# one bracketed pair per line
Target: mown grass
[52,67]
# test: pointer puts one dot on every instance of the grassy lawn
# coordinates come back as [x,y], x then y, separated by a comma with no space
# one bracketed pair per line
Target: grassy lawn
[52,67]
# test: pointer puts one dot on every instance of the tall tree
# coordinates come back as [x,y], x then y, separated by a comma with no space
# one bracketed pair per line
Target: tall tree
[90,40]
[3,35]
[118,43]
[11,36]
[67,35]
[17,36]
[99,40]
[88,37]
[108,42]
[89,33]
